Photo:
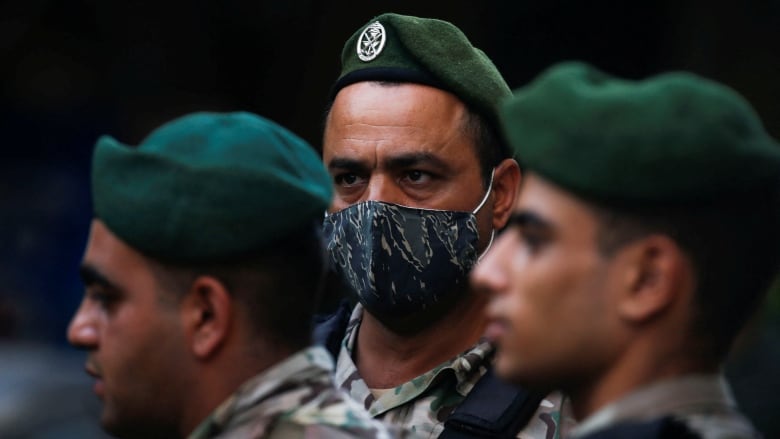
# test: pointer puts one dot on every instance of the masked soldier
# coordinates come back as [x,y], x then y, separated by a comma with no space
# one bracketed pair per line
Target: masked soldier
[422,183]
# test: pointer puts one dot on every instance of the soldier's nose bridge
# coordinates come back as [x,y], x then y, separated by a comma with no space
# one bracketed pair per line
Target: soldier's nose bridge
[381,187]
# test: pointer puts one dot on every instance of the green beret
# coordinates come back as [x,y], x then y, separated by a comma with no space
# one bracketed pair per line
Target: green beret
[208,187]
[402,48]
[670,139]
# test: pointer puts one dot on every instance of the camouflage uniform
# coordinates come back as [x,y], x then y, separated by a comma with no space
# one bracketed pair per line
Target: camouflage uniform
[420,406]
[294,399]
[703,402]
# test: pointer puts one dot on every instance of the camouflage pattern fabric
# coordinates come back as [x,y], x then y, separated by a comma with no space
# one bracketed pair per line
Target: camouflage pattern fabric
[703,402]
[294,399]
[420,406]
[401,249]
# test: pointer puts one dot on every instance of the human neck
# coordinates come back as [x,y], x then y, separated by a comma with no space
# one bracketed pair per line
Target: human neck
[387,359]
[636,368]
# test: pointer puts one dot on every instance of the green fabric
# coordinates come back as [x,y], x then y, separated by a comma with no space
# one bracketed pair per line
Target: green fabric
[430,51]
[208,186]
[672,138]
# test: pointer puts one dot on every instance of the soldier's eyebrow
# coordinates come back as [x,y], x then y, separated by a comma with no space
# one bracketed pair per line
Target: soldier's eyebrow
[410,160]
[343,163]
[91,276]
[527,219]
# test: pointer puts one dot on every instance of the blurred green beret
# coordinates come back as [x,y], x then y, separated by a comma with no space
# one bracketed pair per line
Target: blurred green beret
[402,48]
[670,139]
[208,186]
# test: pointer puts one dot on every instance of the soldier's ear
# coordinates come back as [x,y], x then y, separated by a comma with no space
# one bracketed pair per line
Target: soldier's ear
[659,278]
[207,312]
[506,183]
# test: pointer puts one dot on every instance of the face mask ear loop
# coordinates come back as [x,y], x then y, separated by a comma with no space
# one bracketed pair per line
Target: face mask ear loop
[490,243]
[482,203]
[487,193]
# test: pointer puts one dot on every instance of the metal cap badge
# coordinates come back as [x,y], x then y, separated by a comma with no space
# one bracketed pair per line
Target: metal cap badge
[371,41]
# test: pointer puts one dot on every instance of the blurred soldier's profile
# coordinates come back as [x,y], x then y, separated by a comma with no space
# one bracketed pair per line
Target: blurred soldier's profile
[644,236]
[202,271]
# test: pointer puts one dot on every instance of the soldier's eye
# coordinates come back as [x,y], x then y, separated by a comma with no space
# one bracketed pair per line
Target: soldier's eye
[104,299]
[346,179]
[417,176]
[532,240]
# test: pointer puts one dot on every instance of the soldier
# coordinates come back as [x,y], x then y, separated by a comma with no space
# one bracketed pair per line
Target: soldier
[202,270]
[422,182]
[644,236]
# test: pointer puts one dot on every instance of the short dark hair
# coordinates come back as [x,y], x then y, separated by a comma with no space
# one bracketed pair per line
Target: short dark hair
[279,285]
[734,248]
[490,144]
[491,147]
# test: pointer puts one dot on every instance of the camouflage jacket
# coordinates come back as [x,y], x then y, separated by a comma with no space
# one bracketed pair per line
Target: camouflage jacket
[703,402]
[420,406]
[294,399]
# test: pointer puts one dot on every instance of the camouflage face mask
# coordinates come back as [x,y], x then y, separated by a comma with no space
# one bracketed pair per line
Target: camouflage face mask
[401,260]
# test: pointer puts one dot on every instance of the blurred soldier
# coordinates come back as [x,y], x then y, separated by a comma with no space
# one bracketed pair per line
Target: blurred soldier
[644,236]
[202,270]
[422,182]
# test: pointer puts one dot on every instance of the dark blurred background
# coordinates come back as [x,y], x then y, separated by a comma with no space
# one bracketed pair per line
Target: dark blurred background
[73,70]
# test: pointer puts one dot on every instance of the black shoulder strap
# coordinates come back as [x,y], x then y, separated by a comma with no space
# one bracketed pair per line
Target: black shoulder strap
[662,428]
[493,409]
[329,329]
